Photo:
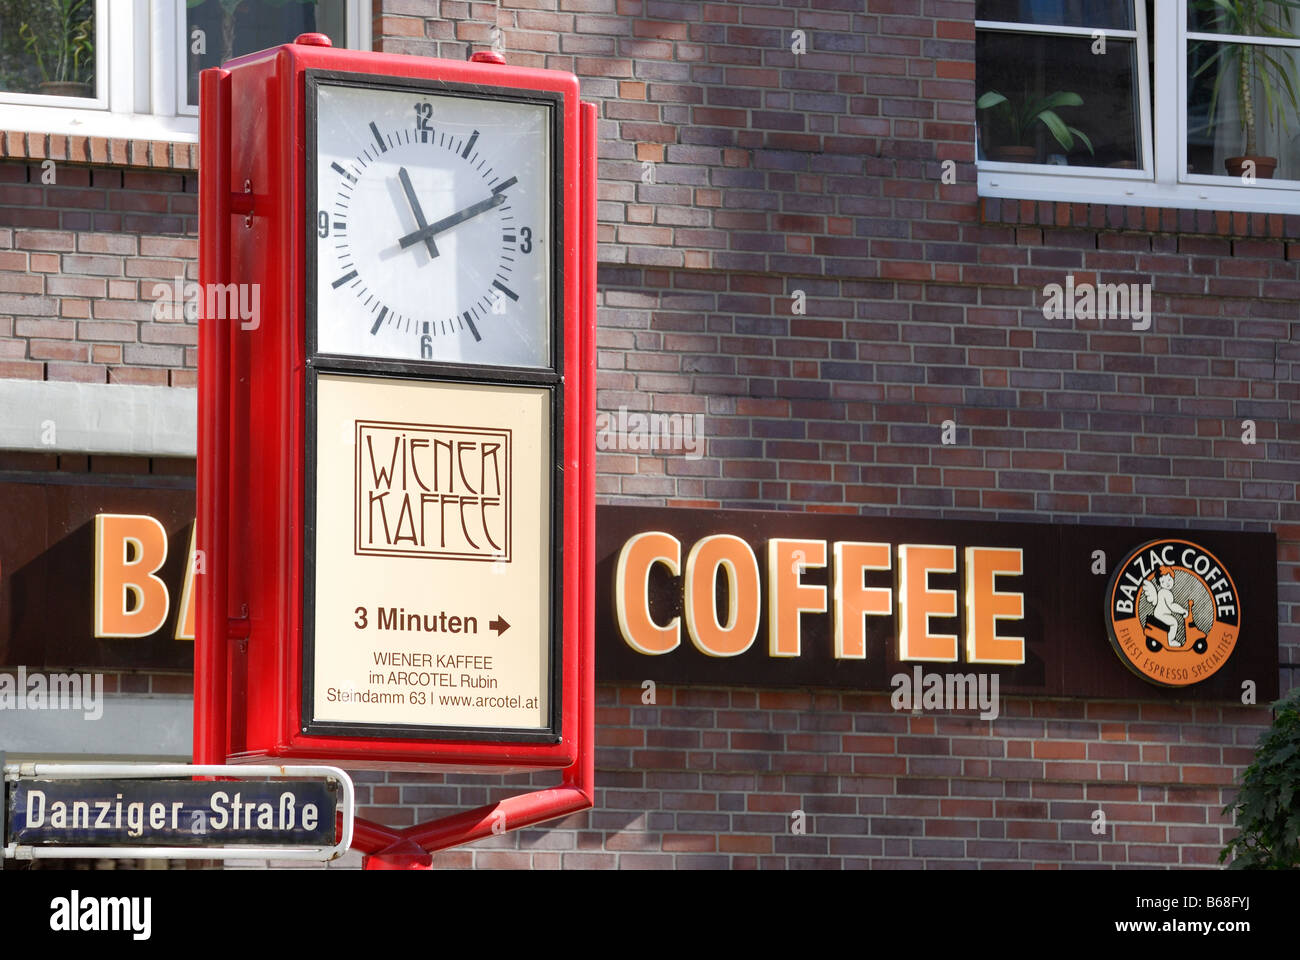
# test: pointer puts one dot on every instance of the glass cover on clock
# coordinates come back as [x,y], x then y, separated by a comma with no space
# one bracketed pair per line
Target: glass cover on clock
[432,226]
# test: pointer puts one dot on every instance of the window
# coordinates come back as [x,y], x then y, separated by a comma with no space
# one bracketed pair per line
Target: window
[48,51]
[1177,103]
[214,31]
[72,67]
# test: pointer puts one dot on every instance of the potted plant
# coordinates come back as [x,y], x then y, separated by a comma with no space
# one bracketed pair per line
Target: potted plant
[1267,809]
[60,36]
[1021,120]
[1252,69]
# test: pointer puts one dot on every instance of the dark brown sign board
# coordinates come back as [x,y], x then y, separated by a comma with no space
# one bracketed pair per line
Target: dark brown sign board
[1067,650]
[47,535]
[47,570]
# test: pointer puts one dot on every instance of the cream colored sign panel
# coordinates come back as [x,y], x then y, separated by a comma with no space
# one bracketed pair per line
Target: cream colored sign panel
[432,554]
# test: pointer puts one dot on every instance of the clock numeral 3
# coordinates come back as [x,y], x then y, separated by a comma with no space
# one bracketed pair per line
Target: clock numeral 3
[525,240]
[323,224]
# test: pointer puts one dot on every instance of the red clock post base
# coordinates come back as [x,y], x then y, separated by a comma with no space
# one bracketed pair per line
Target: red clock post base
[387,848]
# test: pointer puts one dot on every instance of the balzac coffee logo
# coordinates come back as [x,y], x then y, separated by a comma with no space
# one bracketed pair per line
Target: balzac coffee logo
[1173,615]
[424,490]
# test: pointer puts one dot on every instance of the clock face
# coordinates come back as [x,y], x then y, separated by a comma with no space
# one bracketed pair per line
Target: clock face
[433,226]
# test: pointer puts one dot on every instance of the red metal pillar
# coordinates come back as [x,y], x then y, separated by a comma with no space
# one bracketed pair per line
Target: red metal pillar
[210,707]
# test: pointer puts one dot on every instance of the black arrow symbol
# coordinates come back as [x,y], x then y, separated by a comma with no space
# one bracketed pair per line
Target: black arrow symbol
[499,625]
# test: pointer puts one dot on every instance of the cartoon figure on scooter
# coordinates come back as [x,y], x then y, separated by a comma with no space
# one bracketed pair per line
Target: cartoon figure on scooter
[1173,626]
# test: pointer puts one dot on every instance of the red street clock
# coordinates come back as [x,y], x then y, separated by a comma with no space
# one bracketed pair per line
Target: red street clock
[395,466]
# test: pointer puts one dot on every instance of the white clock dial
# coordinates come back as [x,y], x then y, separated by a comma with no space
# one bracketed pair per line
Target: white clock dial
[433,227]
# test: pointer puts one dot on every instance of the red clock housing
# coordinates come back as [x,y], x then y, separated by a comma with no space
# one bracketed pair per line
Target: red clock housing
[254,443]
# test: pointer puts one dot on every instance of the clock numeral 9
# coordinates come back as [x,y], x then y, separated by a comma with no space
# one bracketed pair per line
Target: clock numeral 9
[525,240]
[426,347]
[323,224]
[423,112]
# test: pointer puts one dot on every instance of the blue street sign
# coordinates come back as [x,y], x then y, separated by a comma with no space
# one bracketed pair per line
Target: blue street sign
[181,813]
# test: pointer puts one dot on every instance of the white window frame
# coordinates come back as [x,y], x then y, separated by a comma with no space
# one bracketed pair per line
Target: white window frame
[139,77]
[1163,181]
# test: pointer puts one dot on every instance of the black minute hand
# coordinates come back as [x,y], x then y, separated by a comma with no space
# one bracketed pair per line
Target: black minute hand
[446,223]
[415,208]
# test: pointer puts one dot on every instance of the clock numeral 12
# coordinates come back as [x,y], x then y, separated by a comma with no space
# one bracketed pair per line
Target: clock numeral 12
[423,112]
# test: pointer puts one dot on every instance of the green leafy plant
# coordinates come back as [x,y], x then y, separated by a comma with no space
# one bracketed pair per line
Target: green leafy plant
[60,36]
[1022,117]
[1267,809]
[1251,67]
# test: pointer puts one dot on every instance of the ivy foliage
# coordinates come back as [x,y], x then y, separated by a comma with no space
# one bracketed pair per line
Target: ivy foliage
[1267,810]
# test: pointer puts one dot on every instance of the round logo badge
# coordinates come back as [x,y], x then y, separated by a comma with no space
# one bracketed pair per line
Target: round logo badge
[1172,612]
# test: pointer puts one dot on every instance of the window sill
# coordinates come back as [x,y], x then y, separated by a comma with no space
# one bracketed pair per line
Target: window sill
[78,135]
[1127,204]
[1262,198]
[82,122]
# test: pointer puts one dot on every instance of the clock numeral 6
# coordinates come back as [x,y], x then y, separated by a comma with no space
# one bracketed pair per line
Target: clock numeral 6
[525,240]
[426,347]
[323,224]
[423,111]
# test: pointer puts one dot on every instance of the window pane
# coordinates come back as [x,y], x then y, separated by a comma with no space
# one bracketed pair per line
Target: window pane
[218,30]
[48,47]
[1227,120]
[1115,14]
[1042,78]
[1247,18]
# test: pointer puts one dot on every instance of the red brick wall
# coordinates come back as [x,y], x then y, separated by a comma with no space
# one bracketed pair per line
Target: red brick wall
[772,174]
[79,261]
[710,778]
